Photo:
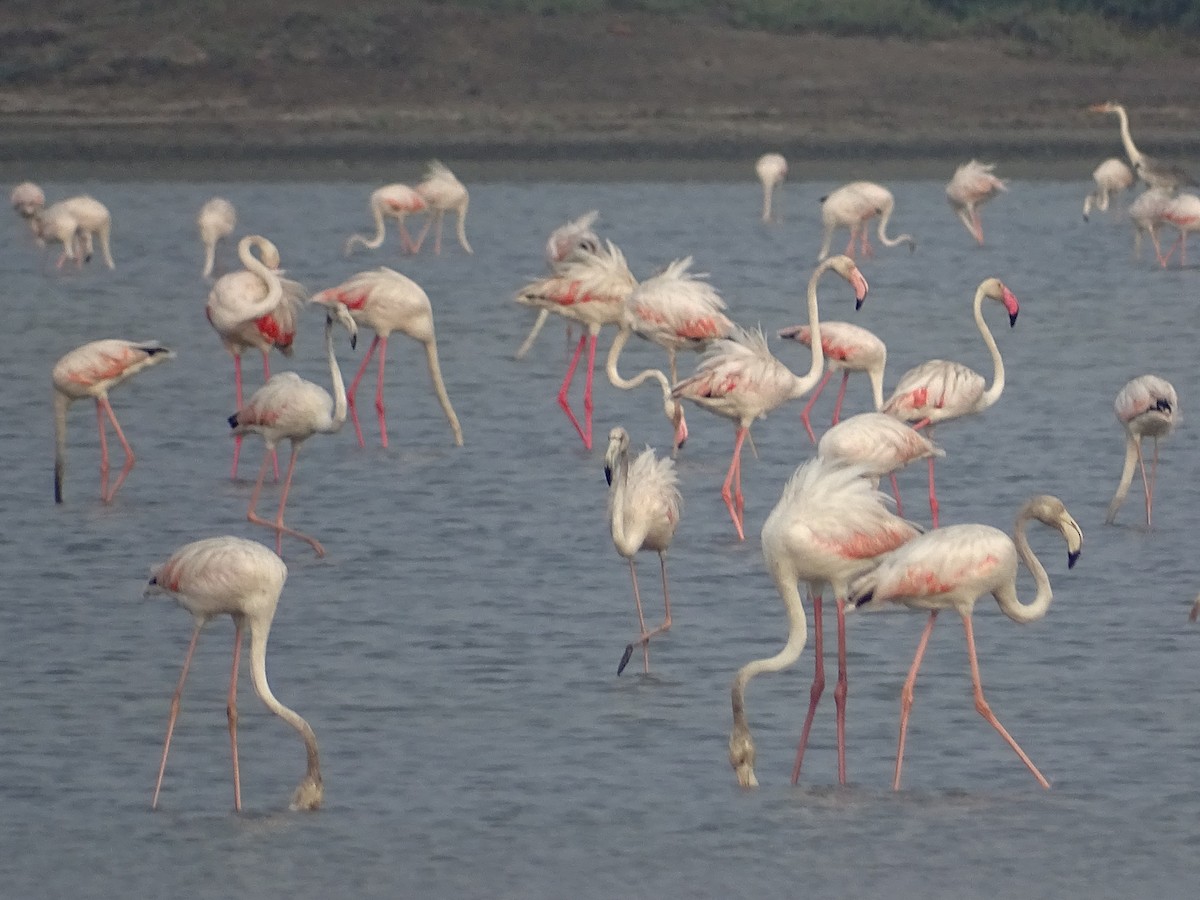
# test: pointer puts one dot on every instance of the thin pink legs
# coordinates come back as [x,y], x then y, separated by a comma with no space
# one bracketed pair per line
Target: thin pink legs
[231,712]
[584,432]
[731,490]
[906,695]
[840,691]
[174,714]
[102,408]
[237,438]
[933,503]
[280,528]
[812,400]
[353,391]
[1148,484]
[644,636]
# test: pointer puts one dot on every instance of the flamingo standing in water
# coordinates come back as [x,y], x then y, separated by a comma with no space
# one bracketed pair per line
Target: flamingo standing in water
[973,184]
[1112,177]
[289,407]
[254,308]
[1153,172]
[771,169]
[216,222]
[92,370]
[643,512]
[243,578]
[93,220]
[852,206]
[847,348]
[940,390]
[386,301]
[1183,214]
[1148,213]
[953,567]
[442,191]
[1146,407]
[397,201]
[56,224]
[739,379]
[828,526]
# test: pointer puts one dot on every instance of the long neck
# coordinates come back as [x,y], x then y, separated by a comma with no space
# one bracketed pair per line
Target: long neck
[61,402]
[269,277]
[439,388]
[992,394]
[806,383]
[1126,138]
[461,228]
[883,237]
[768,189]
[616,499]
[1127,470]
[335,376]
[375,242]
[876,376]
[670,406]
[1007,597]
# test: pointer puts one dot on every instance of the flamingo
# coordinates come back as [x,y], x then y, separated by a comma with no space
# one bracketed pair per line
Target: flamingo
[216,221]
[953,567]
[243,578]
[940,390]
[289,407]
[590,289]
[92,370]
[386,301]
[1183,214]
[1112,177]
[56,224]
[1152,171]
[740,380]
[771,169]
[397,201]
[94,220]
[1146,407]
[828,526]
[643,512]
[852,206]
[972,185]
[442,191]
[1148,212]
[254,308]
[847,348]
[27,198]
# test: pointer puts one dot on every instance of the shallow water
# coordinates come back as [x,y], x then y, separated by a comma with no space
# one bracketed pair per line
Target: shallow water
[456,650]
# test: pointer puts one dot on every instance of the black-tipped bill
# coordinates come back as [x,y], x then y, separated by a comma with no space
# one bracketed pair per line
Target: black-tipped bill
[1072,558]
[1012,319]
[608,474]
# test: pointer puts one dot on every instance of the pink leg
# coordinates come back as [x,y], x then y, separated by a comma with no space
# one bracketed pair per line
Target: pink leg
[733,500]
[379,392]
[837,409]
[232,715]
[850,246]
[1163,259]
[644,637]
[1148,483]
[588,404]
[981,706]
[867,250]
[280,528]
[566,385]
[978,226]
[424,231]
[103,451]
[237,438]
[841,690]
[906,695]
[266,378]
[637,599]
[804,414]
[933,503]
[406,241]
[896,493]
[174,714]
[129,458]
[350,394]
[437,238]
[817,688]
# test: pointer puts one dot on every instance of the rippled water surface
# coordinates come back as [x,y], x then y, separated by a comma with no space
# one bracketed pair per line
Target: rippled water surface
[456,650]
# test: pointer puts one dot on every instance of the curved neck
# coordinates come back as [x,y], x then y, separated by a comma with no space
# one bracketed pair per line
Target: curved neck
[1007,597]
[61,402]
[375,242]
[616,498]
[269,277]
[992,394]
[439,388]
[629,384]
[461,227]
[805,383]
[1126,138]
[882,233]
[258,676]
[335,376]
[1127,470]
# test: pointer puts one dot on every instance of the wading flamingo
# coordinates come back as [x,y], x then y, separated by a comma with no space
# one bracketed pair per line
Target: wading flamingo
[56,225]
[1182,214]
[973,184]
[565,242]
[740,380]
[1148,213]
[828,526]
[940,390]
[643,513]
[442,191]
[771,169]
[386,301]
[397,201]
[951,568]
[1146,407]
[1153,172]
[92,370]
[254,308]
[289,407]
[94,221]
[852,206]
[1112,177]
[243,578]
[216,221]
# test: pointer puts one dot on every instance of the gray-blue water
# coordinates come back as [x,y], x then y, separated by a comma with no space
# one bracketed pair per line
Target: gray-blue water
[456,650]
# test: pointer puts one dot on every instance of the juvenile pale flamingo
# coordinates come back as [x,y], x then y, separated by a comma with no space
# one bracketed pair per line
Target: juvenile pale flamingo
[386,301]
[254,308]
[643,513]
[828,526]
[1182,214]
[216,221]
[973,184]
[951,568]
[852,206]
[92,370]
[1148,213]
[442,191]
[847,348]
[289,407]
[1153,172]
[739,379]
[1112,177]
[940,390]
[1146,407]
[243,578]
[397,201]
[771,169]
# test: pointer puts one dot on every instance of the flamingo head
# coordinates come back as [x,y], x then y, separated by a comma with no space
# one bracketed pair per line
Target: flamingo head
[848,269]
[741,755]
[338,312]
[618,445]
[996,290]
[309,794]
[674,411]
[1051,511]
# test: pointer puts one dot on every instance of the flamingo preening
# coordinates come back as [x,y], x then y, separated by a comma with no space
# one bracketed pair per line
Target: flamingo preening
[973,185]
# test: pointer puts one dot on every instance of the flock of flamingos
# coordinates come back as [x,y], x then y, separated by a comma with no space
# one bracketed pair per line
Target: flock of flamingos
[832,528]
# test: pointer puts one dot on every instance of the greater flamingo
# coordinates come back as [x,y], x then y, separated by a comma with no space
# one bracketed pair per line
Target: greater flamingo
[847,348]
[386,301]
[852,206]
[643,512]
[953,567]
[94,221]
[243,578]
[92,370]
[397,201]
[56,224]
[254,308]
[442,191]
[1148,212]
[828,526]
[289,407]
[1153,172]
[27,198]
[1183,214]
[1112,177]
[1146,407]
[973,184]
[739,379]
[771,169]
[216,221]
[940,390]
